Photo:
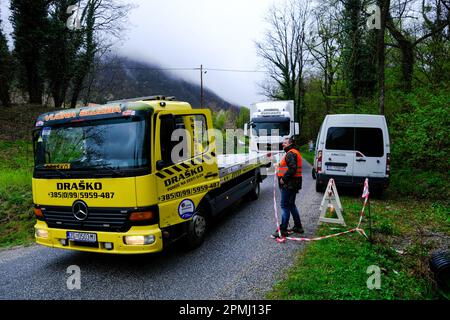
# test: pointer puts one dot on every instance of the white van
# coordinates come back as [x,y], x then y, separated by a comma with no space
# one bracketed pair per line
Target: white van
[350,148]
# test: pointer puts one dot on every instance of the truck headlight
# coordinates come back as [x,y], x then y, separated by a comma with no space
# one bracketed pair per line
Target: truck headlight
[40,233]
[139,240]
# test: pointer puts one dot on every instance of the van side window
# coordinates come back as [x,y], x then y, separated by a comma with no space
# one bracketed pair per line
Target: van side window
[369,141]
[340,138]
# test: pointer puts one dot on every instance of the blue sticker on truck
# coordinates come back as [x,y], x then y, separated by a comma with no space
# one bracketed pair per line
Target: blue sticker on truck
[186,209]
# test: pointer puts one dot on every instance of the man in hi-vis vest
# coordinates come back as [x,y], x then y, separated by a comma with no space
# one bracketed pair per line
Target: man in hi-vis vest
[289,174]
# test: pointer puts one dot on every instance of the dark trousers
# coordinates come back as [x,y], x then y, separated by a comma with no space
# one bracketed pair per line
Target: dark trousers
[288,207]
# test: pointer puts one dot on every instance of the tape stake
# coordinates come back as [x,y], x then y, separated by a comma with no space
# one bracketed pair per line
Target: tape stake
[302,239]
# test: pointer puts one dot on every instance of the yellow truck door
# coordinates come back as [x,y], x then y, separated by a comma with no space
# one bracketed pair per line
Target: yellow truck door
[185,162]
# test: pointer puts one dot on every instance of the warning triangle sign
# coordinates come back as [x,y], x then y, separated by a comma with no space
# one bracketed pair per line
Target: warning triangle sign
[331,202]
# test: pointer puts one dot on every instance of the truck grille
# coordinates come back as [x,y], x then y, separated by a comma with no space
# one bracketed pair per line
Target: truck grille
[270,147]
[99,219]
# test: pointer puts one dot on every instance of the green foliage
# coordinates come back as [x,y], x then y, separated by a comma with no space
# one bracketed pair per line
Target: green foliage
[306,154]
[29,20]
[219,119]
[60,51]
[243,117]
[16,214]
[420,137]
[420,184]
[358,51]
[419,129]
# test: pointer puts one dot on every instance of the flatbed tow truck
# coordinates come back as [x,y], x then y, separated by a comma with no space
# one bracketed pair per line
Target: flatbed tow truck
[133,176]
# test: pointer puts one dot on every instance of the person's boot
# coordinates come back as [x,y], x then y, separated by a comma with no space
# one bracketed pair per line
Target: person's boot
[276,234]
[298,229]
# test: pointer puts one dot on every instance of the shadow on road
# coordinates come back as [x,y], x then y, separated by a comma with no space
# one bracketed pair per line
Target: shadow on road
[174,251]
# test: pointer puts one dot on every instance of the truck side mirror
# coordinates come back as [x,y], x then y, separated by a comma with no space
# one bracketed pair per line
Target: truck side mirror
[246,129]
[296,128]
[161,164]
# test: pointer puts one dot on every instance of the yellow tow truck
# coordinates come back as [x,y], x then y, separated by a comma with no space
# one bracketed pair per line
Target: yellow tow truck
[133,176]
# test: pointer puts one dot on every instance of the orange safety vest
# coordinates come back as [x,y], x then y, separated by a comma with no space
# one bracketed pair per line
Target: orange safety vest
[283,168]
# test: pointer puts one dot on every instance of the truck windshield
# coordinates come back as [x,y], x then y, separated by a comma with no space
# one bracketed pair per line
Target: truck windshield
[271,128]
[103,144]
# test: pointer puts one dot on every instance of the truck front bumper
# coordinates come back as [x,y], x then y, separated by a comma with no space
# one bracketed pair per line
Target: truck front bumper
[55,239]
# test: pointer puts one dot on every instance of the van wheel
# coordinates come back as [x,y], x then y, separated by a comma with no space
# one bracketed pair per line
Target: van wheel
[196,230]
[319,187]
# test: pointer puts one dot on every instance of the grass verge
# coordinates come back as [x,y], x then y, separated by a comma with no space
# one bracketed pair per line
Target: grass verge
[404,232]
[16,214]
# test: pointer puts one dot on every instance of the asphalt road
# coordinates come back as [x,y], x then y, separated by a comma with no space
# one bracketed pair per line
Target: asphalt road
[238,260]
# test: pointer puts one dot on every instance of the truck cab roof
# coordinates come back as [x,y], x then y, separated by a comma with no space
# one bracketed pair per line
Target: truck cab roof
[115,109]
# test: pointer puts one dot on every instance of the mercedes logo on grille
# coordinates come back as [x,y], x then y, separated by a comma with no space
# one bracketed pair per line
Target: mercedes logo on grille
[80,210]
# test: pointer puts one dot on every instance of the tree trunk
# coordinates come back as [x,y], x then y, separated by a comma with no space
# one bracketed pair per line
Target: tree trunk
[406,48]
[4,96]
[407,65]
[5,70]
[35,87]
[58,97]
[78,85]
[381,50]
[87,59]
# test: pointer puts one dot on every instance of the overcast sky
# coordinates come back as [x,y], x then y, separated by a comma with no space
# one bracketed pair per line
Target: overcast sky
[186,33]
[219,34]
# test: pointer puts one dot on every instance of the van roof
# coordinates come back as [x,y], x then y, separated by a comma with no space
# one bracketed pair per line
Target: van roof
[372,119]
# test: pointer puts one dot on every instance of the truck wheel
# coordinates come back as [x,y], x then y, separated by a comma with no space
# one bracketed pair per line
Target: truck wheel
[254,193]
[196,230]
[319,187]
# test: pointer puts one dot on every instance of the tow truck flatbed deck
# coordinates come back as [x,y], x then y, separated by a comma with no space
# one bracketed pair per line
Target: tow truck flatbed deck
[236,163]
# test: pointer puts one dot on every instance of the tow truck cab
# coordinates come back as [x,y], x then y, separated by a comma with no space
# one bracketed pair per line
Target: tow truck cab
[130,177]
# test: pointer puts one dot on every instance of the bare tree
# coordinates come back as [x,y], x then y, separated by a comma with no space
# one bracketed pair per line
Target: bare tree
[103,22]
[284,53]
[434,53]
[408,40]
[325,47]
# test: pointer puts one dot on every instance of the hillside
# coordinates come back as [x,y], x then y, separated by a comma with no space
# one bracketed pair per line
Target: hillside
[122,78]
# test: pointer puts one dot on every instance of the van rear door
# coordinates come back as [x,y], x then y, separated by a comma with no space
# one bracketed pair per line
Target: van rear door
[338,154]
[370,158]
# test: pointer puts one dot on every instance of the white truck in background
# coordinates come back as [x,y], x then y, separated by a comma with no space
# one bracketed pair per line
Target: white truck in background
[270,122]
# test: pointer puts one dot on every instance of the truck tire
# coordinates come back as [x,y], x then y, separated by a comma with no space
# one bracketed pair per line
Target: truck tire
[196,230]
[319,187]
[254,193]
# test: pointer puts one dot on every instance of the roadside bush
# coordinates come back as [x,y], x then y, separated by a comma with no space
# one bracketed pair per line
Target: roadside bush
[419,184]
[420,136]
[420,146]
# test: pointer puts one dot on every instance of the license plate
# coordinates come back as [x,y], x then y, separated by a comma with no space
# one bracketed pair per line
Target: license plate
[336,168]
[82,237]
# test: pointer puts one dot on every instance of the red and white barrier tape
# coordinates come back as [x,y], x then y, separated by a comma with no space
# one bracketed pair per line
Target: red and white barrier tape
[275,207]
[281,239]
